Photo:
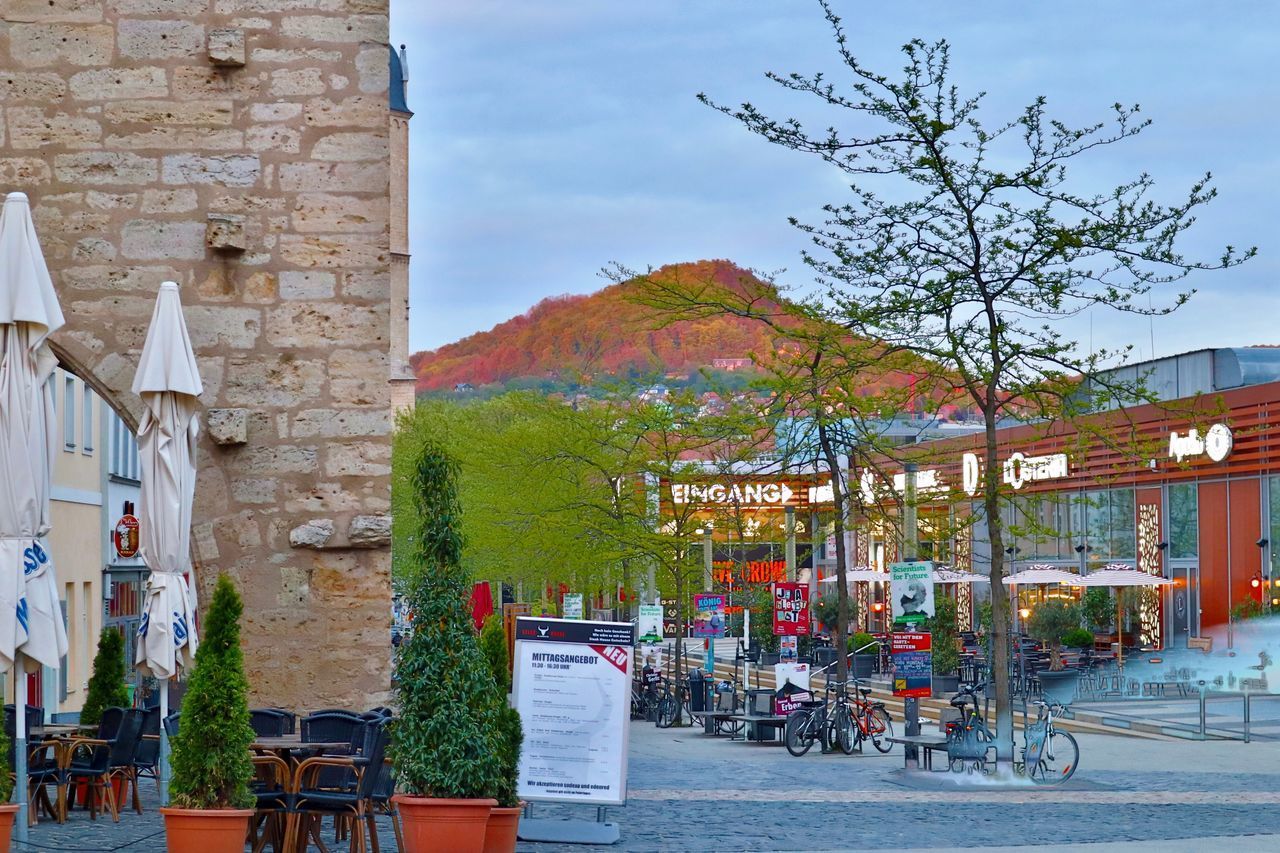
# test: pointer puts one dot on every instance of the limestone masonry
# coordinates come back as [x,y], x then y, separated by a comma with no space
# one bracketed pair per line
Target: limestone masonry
[244,149]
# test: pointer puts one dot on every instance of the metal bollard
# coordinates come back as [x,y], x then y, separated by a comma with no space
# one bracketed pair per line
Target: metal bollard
[1202,711]
[1246,716]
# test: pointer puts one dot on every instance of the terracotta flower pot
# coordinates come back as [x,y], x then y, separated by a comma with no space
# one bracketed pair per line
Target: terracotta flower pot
[500,836]
[432,823]
[206,830]
[7,813]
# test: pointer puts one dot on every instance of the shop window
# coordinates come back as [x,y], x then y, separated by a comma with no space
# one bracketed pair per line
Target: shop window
[1123,526]
[1184,520]
[69,414]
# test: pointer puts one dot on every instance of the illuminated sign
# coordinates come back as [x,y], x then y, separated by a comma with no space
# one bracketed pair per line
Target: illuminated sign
[928,482]
[1215,443]
[751,494]
[1018,470]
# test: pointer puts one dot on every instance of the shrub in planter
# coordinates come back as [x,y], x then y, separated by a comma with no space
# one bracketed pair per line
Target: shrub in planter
[1049,623]
[442,743]
[212,767]
[1078,638]
[863,661]
[946,658]
[500,836]
[106,686]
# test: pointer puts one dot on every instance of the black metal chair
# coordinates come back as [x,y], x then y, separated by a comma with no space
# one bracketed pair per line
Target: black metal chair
[267,722]
[330,725]
[353,799]
[43,770]
[171,724]
[109,723]
[103,760]
[146,758]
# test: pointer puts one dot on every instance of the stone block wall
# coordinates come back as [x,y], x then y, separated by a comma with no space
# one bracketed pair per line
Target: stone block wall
[239,148]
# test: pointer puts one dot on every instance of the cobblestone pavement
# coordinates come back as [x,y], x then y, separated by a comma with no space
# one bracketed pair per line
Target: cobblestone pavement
[693,793]
[690,792]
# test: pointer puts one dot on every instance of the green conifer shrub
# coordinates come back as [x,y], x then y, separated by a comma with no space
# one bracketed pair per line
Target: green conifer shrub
[212,766]
[442,745]
[106,686]
[510,733]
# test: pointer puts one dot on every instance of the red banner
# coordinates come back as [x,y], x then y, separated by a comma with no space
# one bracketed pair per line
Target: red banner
[791,609]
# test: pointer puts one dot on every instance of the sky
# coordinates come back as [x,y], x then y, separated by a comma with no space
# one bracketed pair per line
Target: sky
[554,138]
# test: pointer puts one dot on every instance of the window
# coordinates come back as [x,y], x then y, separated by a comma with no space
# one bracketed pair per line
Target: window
[69,413]
[1106,518]
[1123,523]
[1184,521]
[86,438]
[123,452]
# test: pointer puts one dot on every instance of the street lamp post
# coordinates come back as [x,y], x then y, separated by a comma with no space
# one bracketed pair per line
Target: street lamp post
[709,662]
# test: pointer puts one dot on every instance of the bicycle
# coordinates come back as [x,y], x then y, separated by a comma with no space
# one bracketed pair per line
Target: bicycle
[805,726]
[668,707]
[871,720]
[970,739]
[1049,756]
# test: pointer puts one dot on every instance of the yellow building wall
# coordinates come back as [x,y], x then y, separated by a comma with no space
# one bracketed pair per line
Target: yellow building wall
[77,559]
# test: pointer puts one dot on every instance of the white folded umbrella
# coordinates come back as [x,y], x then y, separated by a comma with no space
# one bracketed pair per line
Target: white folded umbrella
[169,385]
[30,616]
[861,574]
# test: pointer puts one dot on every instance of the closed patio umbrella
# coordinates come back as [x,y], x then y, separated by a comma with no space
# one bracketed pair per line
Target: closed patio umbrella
[944,575]
[1119,575]
[169,385]
[30,617]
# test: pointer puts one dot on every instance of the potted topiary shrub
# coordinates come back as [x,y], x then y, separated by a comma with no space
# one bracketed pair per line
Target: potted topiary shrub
[865,649]
[504,819]
[946,657]
[212,767]
[1049,623]
[1078,638]
[442,745]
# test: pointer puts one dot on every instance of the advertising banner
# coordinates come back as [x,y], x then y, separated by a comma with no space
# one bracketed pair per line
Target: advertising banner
[708,616]
[649,624]
[573,605]
[573,692]
[670,618]
[911,592]
[912,656]
[788,648]
[790,609]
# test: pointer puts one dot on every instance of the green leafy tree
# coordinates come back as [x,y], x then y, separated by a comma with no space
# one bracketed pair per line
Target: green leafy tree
[211,759]
[509,734]
[946,658]
[1050,623]
[1098,609]
[967,243]
[442,744]
[106,686]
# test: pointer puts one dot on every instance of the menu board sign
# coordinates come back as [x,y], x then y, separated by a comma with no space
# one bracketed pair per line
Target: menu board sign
[572,690]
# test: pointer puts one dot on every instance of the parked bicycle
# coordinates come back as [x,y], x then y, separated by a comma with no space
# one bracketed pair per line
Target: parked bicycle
[829,721]
[871,720]
[1049,755]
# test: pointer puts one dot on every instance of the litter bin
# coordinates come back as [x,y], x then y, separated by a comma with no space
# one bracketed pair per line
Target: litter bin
[699,700]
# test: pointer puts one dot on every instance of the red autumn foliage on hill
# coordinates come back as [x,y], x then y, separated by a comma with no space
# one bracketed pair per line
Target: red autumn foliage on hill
[604,333]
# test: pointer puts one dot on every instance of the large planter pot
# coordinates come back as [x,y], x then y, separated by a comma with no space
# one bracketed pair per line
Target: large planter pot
[500,832]
[7,813]
[1059,686]
[432,823]
[945,685]
[863,666]
[206,830]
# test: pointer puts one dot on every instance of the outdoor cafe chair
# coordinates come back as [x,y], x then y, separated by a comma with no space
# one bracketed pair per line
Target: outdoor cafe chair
[171,724]
[106,760]
[313,800]
[44,768]
[146,758]
[267,722]
[270,788]
[109,722]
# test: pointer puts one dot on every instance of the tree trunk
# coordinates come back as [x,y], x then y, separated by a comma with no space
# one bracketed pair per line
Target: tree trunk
[999,677]
[842,590]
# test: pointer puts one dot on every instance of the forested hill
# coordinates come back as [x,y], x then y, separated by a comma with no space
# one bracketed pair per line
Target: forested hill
[563,339]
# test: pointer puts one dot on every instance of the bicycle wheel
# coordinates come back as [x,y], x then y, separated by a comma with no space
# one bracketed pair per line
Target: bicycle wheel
[798,734]
[668,711]
[1058,759]
[881,729]
[846,731]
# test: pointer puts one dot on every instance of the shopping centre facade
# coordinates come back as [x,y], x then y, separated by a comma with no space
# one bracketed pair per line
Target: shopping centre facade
[1187,488]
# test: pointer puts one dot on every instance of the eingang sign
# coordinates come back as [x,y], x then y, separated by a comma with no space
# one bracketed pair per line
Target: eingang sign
[749,493]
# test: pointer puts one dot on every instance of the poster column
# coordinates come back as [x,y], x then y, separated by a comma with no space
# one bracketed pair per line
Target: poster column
[573,692]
